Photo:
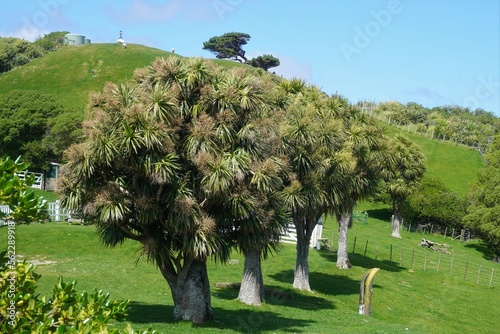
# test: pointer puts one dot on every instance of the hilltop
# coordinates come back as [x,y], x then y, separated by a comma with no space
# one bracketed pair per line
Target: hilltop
[73,71]
[70,73]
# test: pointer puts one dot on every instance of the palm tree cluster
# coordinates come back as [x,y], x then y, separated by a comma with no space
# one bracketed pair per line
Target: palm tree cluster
[192,161]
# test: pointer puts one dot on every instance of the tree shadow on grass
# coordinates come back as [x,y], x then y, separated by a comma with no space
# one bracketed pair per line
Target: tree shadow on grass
[483,249]
[282,297]
[253,320]
[358,260]
[327,284]
[141,313]
[381,214]
[244,320]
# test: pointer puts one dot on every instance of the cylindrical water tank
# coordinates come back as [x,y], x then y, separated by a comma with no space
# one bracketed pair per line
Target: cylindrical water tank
[87,41]
[75,39]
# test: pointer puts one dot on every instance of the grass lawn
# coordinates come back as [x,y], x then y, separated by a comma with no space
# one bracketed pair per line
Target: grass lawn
[406,299]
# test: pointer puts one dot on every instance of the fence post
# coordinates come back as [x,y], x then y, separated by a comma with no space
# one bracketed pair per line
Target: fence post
[479,275]
[425,261]
[445,231]
[366,246]
[354,246]
[491,277]
[465,271]
[57,210]
[412,257]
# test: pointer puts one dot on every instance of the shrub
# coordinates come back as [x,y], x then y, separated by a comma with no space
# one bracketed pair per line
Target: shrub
[433,203]
[67,311]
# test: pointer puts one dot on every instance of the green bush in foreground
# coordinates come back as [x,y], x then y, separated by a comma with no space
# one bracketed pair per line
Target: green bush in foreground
[67,311]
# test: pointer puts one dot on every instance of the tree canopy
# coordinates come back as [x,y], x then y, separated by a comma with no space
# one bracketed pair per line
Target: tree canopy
[433,203]
[183,161]
[402,171]
[16,52]
[483,213]
[228,46]
[35,126]
[265,62]
[52,41]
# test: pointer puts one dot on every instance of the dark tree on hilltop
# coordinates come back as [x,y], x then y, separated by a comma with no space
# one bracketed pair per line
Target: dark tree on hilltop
[265,62]
[228,46]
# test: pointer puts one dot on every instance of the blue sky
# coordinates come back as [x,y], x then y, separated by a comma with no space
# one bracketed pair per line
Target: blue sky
[433,52]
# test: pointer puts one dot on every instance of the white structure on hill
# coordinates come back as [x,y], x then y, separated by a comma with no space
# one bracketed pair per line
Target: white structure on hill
[120,39]
[76,39]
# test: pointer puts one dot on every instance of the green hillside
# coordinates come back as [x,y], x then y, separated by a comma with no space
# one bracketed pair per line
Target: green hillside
[72,72]
[456,166]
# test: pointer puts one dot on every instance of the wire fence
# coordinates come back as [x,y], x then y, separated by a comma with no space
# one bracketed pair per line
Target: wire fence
[425,259]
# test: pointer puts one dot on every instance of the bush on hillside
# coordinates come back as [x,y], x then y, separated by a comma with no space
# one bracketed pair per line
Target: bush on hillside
[433,203]
[36,126]
[483,213]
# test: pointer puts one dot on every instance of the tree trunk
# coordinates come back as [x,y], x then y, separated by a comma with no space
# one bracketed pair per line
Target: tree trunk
[191,293]
[344,219]
[304,229]
[396,223]
[252,284]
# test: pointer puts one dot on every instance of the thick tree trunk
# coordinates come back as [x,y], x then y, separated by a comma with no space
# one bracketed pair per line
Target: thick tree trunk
[252,284]
[191,293]
[396,223]
[345,220]
[304,229]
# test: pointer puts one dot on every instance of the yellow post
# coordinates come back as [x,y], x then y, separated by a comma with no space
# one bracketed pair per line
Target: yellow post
[366,291]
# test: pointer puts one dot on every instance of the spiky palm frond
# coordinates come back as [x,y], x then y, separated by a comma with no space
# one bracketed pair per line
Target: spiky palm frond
[219,179]
[125,94]
[161,104]
[293,86]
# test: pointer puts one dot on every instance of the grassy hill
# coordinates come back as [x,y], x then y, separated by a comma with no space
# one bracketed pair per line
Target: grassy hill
[456,166]
[72,72]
